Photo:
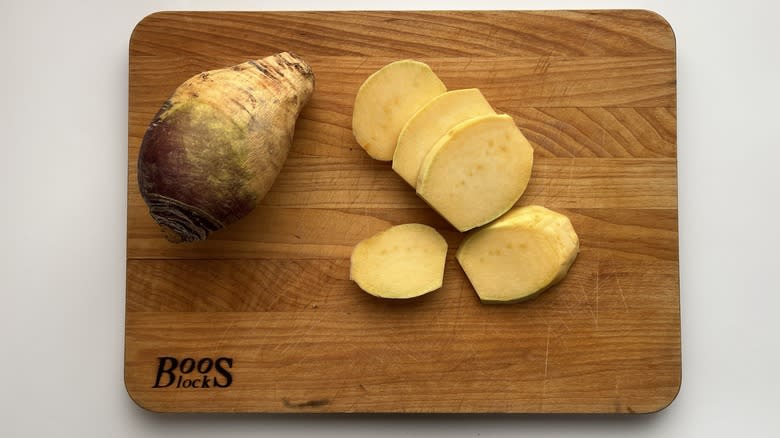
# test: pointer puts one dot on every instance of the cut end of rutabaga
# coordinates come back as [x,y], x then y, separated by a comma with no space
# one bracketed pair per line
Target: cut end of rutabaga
[430,123]
[519,255]
[404,261]
[387,100]
[476,171]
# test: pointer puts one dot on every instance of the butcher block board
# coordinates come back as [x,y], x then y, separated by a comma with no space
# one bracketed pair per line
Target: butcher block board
[265,310]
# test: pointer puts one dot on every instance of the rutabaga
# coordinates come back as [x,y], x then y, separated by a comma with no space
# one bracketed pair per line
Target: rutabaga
[215,147]
[430,123]
[477,171]
[387,100]
[404,261]
[520,255]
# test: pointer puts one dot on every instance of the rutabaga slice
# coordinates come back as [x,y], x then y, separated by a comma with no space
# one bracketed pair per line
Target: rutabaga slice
[520,255]
[556,225]
[430,123]
[404,261]
[387,100]
[477,171]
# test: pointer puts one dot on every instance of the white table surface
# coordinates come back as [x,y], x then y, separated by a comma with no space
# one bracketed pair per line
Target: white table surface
[63,161]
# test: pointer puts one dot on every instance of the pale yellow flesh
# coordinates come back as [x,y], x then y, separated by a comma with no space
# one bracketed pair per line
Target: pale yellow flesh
[404,261]
[520,255]
[477,171]
[430,123]
[554,224]
[508,264]
[387,100]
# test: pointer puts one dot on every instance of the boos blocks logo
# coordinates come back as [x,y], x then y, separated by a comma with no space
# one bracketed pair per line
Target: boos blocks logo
[191,373]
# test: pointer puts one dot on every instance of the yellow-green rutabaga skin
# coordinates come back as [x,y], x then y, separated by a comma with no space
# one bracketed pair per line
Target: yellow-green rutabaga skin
[216,146]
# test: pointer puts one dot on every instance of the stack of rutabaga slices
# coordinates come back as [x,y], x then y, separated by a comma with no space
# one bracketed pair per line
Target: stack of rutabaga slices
[471,165]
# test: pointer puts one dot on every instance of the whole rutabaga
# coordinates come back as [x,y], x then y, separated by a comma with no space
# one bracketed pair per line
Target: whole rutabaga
[216,146]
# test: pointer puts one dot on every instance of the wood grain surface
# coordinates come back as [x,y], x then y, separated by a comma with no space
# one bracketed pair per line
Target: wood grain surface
[594,92]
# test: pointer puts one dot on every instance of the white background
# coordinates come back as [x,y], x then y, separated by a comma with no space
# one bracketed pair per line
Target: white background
[63,125]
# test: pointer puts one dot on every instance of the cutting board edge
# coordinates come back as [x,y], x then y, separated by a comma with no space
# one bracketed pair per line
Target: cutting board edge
[662,404]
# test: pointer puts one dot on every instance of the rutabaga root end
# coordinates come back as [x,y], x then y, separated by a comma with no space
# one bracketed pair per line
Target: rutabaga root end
[181,222]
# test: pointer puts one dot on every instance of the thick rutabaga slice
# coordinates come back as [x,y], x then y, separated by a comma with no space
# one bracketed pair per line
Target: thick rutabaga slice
[520,255]
[387,100]
[430,123]
[477,171]
[555,224]
[404,261]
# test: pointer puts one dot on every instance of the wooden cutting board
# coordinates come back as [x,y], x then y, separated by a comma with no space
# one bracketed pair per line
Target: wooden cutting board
[263,313]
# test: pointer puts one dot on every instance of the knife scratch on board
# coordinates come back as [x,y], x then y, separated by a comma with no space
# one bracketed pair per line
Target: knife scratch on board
[546,360]
[223,337]
[590,33]
[598,274]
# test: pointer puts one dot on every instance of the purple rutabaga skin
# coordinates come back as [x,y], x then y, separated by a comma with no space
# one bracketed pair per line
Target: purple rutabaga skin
[215,147]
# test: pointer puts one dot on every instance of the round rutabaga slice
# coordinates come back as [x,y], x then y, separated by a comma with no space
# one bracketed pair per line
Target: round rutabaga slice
[430,123]
[520,255]
[387,100]
[404,261]
[477,171]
